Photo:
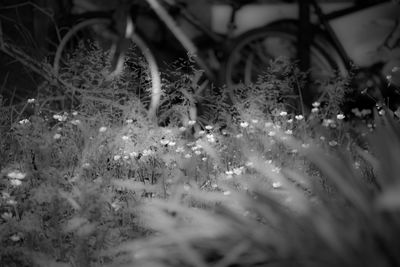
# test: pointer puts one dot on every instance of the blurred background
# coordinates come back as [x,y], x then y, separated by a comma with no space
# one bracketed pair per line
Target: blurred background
[37,26]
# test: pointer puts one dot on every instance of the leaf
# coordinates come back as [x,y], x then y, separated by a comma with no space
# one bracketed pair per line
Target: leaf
[86,229]
[75,223]
[44,194]
[30,222]
[134,186]
[41,259]
[390,199]
[70,200]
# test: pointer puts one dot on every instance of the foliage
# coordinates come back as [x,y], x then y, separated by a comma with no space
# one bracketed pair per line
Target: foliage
[87,180]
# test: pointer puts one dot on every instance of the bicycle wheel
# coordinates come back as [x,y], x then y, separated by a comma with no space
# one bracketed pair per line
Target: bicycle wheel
[252,54]
[83,60]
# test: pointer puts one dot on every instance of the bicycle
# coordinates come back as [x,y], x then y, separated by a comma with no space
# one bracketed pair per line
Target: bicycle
[120,32]
[253,50]
[228,53]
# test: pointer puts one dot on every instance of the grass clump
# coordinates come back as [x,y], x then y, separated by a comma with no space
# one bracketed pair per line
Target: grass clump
[94,183]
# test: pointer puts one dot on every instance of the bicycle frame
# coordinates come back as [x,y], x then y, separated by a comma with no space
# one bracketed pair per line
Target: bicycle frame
[187,43]
[192,49]
[324,20]
[121,28]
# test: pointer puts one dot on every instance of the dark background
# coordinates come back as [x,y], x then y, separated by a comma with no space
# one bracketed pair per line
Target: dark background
[34,27]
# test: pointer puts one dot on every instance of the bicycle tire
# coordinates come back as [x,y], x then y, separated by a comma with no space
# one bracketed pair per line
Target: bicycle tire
[236,71]
[139,44]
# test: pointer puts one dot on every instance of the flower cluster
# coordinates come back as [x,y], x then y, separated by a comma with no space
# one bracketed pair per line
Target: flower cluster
[16,177]
[234,171]
[61,117]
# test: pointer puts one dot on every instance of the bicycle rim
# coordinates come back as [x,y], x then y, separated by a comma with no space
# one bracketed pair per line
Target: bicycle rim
[153,72]
[84,51]
[252,54]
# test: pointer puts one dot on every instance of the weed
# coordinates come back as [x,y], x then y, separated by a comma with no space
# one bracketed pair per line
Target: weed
[93,183]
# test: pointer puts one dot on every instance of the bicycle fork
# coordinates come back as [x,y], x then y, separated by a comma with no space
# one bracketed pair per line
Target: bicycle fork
[126,35]
[179,34]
